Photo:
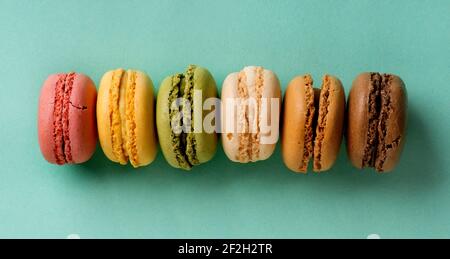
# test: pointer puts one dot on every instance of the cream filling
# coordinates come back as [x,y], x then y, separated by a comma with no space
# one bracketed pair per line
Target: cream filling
[256,137]
[249,142]
[115,113]
[122,116]
[243,135]
[130,115]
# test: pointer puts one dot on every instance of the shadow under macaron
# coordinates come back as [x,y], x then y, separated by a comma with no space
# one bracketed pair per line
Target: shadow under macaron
[418,170]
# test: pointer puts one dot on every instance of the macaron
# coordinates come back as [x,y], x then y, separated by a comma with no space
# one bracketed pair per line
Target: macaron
[313,122]
[180,114]
[251,105]
[67,127]
[377,114]
[126,117]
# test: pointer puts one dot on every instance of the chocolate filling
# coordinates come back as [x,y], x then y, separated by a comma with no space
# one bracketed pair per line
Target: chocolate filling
[373,113]
[375,152]
[382,128]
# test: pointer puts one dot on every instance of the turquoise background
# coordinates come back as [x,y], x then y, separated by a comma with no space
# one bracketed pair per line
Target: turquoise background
[222,199]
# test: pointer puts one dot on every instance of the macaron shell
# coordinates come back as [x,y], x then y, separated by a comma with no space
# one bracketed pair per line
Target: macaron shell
[357,119]
[396,124]
[163,122]
[294,119]
[103,117]
[230,136]
[82,118]
[45,118]
[206,143]
[146,142]
[332,138]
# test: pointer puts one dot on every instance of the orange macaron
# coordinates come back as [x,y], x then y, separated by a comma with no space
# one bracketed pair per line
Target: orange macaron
[313,122]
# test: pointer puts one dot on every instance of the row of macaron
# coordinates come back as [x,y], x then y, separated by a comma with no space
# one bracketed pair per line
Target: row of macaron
[130,119]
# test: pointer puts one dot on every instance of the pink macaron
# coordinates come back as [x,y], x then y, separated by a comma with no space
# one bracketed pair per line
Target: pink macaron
[67,127]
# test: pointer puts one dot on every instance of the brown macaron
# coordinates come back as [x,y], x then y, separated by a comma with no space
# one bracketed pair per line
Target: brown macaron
[313,122]
[377,113]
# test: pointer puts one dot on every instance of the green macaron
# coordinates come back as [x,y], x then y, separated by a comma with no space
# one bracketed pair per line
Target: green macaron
[179,112]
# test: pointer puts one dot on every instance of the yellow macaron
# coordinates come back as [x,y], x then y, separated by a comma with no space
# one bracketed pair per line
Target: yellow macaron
[126,117]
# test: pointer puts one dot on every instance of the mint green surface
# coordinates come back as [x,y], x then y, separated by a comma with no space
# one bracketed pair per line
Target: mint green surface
[221,199]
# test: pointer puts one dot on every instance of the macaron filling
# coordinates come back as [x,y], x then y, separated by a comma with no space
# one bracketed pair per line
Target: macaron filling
[244,136]
[63,91]
[122,116]
[379,110]
[58,138]
[115,117]
[188,118]
[318,101]
[308,148]
[324,103]
[130,112]
[177,135]
[184,142]
[65,119]
[382,127]
[249,138]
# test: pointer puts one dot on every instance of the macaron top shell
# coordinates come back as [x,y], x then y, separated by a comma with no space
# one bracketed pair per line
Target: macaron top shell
[125,113]
[66,121]
[248,132]
[185,143]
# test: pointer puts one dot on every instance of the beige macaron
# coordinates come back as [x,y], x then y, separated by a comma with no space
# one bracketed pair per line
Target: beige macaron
[251,104]
[313,122]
